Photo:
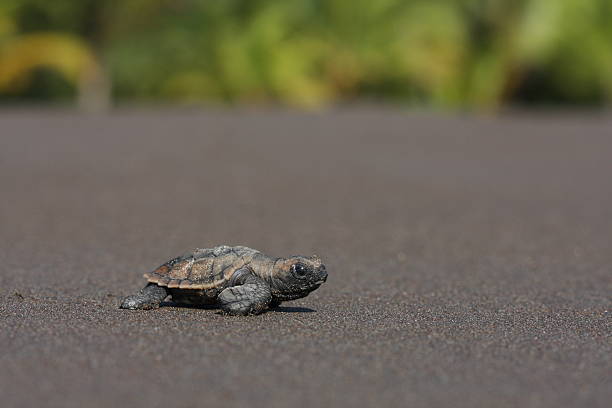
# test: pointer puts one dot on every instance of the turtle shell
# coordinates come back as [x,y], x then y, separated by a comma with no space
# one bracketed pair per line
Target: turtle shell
[202,268]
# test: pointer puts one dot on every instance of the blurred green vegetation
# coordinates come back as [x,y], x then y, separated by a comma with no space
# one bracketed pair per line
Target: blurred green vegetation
[437,53]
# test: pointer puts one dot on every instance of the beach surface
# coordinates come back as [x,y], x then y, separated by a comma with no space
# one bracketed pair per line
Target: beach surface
[469,258]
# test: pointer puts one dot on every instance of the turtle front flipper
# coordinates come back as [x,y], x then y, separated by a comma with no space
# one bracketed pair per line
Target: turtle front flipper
[249,295]
[148,297]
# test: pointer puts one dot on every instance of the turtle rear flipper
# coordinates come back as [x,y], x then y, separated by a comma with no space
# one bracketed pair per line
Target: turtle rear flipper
[148,297]
[250,295]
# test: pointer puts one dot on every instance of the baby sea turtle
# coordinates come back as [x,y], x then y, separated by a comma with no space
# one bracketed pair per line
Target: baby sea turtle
[238,279]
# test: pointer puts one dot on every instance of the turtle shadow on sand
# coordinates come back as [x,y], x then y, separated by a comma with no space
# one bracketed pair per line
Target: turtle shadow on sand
[187,306]
[291,309]
[277,309]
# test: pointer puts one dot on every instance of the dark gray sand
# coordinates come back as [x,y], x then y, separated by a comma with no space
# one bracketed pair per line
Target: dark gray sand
[470,259]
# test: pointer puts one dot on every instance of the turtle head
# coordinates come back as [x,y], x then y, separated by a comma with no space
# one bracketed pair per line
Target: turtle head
[297,276]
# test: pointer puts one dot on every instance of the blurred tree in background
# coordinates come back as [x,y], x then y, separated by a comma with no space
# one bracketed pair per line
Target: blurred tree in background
[437,53]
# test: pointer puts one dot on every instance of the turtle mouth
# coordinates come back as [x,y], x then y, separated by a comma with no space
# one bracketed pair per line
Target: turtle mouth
[323,275]
[319,282]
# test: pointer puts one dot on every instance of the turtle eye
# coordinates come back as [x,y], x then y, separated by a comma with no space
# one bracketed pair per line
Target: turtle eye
[299,270]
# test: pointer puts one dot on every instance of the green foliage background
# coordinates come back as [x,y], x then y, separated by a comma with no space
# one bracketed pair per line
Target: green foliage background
[437,53]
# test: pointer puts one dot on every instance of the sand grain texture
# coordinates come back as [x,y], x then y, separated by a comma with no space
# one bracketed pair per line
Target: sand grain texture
[469,258]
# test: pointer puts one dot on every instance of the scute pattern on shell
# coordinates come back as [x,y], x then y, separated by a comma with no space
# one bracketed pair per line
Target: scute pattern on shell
[202,268]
